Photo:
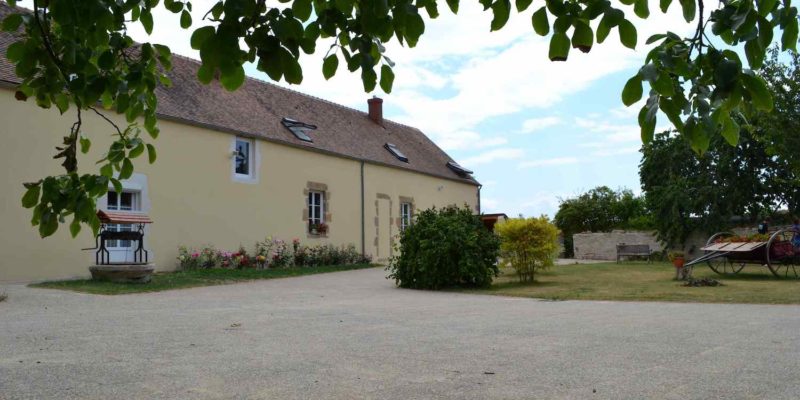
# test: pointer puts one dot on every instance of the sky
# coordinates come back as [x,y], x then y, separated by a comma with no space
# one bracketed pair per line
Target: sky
[532,130]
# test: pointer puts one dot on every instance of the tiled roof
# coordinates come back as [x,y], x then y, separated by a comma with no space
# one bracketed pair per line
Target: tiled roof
[257,108]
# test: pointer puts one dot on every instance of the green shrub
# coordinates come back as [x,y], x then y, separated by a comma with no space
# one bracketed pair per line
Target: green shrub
[445,248]
[528,245]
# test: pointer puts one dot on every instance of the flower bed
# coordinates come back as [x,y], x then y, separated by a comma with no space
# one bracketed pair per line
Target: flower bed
[269,253]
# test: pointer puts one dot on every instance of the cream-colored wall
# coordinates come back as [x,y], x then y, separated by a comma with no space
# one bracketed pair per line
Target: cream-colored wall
[194,200]
[426,192]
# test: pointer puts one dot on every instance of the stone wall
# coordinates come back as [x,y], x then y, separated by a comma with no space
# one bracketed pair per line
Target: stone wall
[603,245]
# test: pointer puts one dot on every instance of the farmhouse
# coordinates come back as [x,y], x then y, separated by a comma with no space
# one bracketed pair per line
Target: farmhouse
[232,168]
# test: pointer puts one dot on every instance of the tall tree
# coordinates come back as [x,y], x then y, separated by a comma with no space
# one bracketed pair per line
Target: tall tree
[600,210]
[726,186]
[79,54]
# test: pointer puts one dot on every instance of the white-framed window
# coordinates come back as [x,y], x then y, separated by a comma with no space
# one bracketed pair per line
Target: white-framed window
[244,158]
[125,201]
[405,215]
[316,208]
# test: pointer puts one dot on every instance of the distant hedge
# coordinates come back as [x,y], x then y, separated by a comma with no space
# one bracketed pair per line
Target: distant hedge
[445,247]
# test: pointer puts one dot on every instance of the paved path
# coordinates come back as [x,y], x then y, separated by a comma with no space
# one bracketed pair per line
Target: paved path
[352,335]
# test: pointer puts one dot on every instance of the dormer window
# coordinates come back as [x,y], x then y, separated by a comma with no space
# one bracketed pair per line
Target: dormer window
[458,169]
[299,129]
[396,152]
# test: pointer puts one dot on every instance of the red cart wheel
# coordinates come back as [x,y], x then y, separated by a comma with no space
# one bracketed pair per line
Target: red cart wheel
[783,259]
[722,265]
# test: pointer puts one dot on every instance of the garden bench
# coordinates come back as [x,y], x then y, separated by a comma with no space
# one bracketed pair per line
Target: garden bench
[628,250]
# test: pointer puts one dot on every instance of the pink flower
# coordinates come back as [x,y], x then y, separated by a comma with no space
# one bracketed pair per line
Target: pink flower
[195,255]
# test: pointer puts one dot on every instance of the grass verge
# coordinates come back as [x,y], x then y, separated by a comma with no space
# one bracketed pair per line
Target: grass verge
[639,281]
[186,279]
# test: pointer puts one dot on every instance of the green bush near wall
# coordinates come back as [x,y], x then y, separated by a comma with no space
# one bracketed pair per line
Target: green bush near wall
[448,247]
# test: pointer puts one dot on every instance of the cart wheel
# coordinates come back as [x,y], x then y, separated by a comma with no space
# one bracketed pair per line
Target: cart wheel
[722,265]
[786,265]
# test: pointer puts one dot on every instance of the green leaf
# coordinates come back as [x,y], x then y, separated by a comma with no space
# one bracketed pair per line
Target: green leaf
[116,184]
[603,29]
[689,9]
[501,10]
[789,37]
[62,102]
[765,7]
[759,94]
[647,124]
[582,37]
[205,74]
[540,24]
[200,36]
[75,227]
[329,66]
[641,9]
[453,4]
[151,153]
[627,34]
[31,196]
[12,22]
[127,169]
[302,9]
[730,130]
[387,78]
[86,144]
[136,151]
[559,47]
[755,53]
[232,77]
[147,21]
[186,19]
[369,78]
[655,38]
[48,224]
[107,170]
[632,92]
[672,112]
[663,85]
[523,5]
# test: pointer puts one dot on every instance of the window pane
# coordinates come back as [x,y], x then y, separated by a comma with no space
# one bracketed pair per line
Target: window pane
[126,201]
[243,157]
[112,201]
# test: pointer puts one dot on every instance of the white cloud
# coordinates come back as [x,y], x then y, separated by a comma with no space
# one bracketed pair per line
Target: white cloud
[548,162]
[492,156]
[537,124]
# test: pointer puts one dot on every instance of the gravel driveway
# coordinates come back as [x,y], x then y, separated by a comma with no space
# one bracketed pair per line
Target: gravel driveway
[353,335]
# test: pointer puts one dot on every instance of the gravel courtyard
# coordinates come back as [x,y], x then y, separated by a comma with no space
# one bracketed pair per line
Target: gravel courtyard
[353,335]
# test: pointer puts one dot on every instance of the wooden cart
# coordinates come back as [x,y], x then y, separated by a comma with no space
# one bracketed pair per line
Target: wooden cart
[778,254]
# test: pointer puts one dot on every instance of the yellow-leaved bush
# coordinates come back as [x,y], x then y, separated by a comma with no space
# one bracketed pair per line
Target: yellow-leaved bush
[528,245]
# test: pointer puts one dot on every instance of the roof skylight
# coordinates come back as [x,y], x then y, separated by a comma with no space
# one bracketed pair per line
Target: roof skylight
[299,129]
[458,169]
[396,152]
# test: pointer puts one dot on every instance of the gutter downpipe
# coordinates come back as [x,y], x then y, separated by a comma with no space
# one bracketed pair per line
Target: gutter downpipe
[479,198]
[363,242]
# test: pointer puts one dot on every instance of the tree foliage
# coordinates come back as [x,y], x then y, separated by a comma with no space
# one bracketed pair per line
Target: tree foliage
[528,245]
[444,248]
[727,185]
[601,210]
[78,53]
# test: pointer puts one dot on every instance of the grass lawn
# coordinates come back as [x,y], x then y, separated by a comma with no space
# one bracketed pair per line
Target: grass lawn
[639,281]
[186,279]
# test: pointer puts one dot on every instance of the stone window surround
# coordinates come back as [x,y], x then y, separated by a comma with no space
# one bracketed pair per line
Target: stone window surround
[326,208]
[399,219]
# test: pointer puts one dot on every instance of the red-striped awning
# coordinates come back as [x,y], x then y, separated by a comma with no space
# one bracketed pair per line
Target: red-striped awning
[112,217]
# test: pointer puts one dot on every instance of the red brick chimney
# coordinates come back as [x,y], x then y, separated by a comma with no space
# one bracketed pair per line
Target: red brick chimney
[376,110]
